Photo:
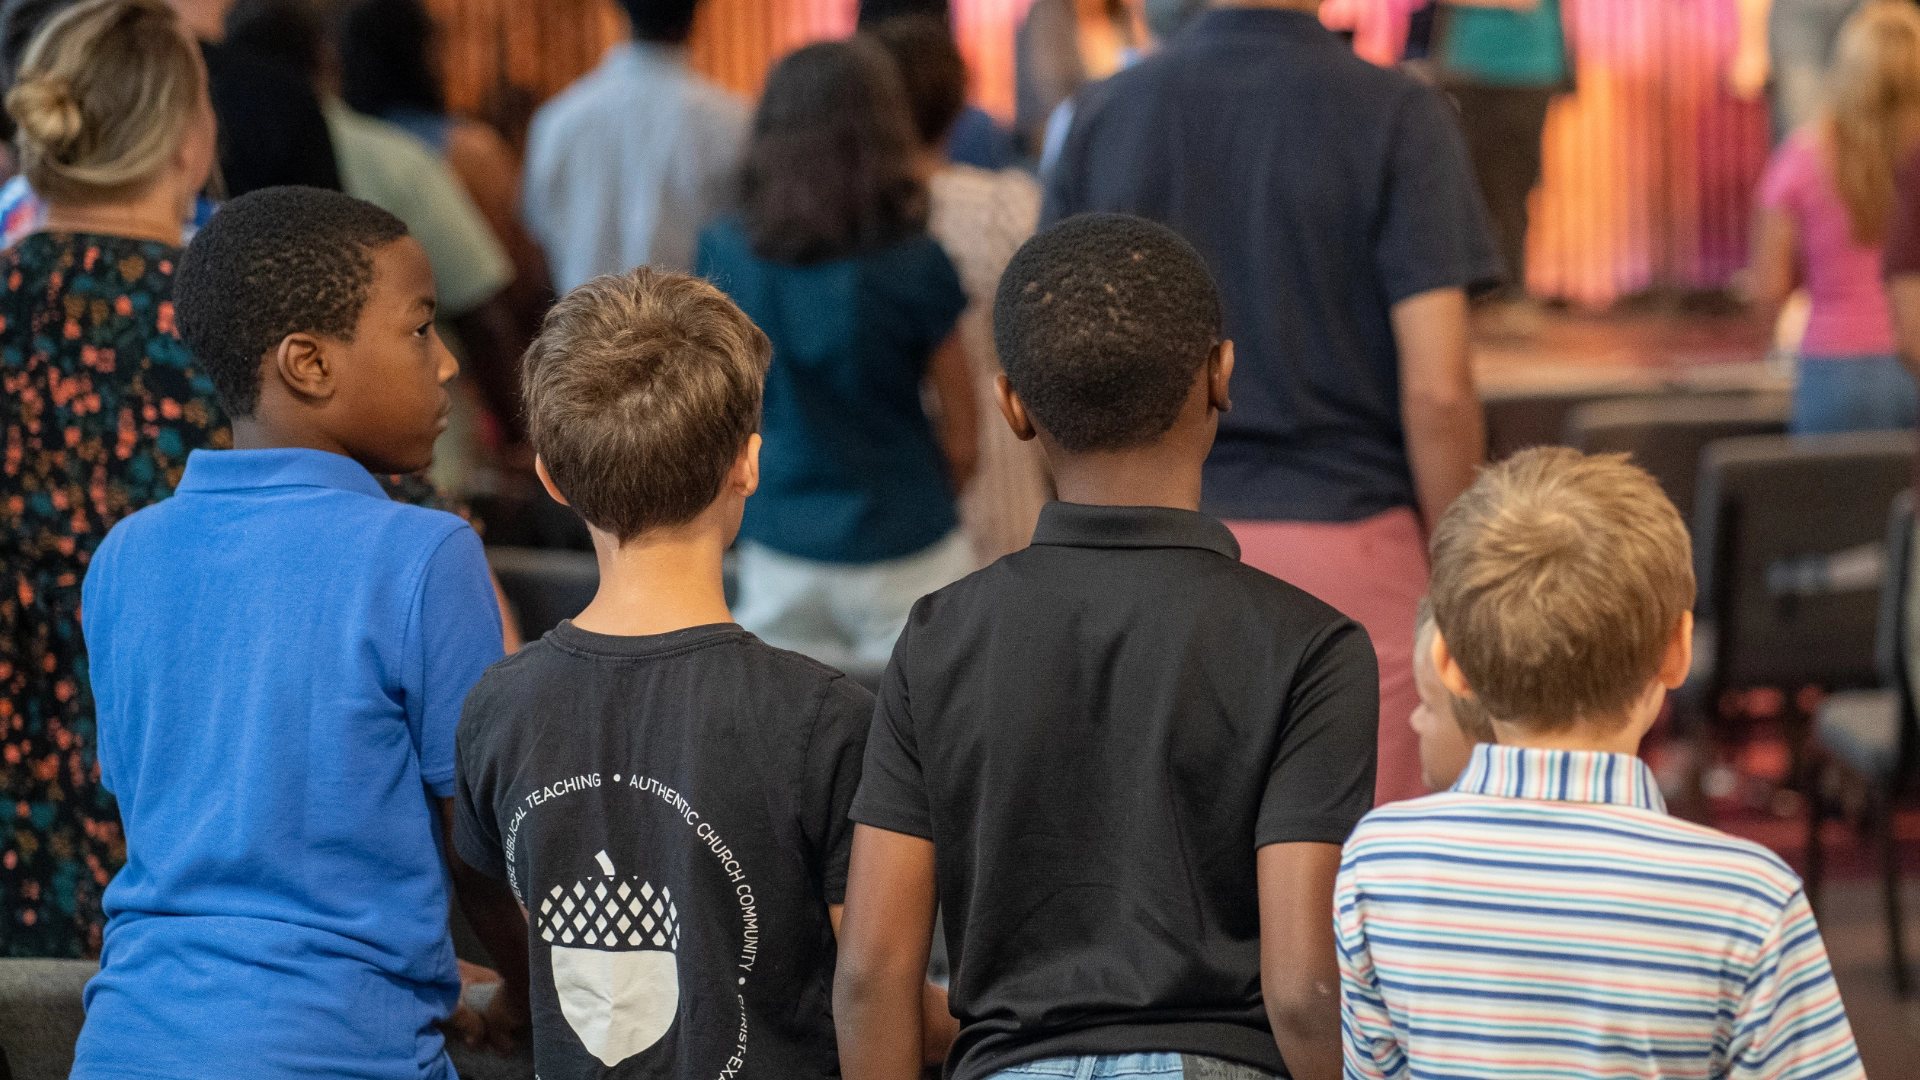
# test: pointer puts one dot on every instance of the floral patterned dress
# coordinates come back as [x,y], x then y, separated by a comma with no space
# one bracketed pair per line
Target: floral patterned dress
[100,403]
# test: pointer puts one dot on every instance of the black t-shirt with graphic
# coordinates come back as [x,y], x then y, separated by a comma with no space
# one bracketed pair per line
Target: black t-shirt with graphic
[672,811]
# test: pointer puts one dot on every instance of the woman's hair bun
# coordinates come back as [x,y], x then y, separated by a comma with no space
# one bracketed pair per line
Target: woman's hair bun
[46,112]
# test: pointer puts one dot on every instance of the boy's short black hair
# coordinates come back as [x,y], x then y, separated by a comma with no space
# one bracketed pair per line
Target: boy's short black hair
[1101,322]
[666,22]
[273,262]
[931,69]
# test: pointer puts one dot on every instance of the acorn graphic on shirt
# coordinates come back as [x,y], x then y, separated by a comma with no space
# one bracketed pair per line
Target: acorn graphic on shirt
[614,947]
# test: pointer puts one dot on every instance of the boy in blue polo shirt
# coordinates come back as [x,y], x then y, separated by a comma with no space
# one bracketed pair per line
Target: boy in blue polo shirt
[279,655]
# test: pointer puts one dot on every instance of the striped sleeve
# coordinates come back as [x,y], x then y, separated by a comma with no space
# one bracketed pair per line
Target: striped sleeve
[1369,1045]
[1792,1025]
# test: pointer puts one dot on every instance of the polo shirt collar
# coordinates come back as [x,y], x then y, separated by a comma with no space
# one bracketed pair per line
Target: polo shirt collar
[1235,21]
[1065,524]
[1583,776]
[238,470]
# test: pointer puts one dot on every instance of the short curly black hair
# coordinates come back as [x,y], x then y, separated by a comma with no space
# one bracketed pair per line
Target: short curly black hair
[273,262]
[1101,322]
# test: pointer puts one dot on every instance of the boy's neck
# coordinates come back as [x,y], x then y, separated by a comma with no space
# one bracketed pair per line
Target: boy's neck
[659,582]
[1163,474]
[1618,735]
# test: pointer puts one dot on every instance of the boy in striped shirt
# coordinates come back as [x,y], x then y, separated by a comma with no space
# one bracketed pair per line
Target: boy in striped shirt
[1546,918]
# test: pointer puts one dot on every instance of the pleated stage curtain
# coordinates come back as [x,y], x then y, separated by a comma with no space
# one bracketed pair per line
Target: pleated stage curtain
[1650,166]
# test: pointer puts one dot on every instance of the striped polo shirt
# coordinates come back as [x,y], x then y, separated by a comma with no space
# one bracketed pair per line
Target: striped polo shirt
[1547,919]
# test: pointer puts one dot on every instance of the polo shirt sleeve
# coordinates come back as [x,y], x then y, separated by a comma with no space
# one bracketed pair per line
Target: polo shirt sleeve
[456,637]
[1321,780]
[1791,1024]
[831,776]
[1903,231]
[893,789]
[1371,1045]
[1435,233]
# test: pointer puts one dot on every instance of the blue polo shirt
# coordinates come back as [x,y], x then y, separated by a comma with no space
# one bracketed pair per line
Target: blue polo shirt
[279,654]
[1321,190]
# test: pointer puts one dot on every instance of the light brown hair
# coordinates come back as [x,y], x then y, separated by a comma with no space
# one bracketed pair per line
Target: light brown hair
[1467,713]
[641,390]
[104,96]
[1873,110]
[1558,579]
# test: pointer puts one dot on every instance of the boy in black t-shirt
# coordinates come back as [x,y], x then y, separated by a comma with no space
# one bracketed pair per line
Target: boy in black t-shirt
[1122,761]
[666,794]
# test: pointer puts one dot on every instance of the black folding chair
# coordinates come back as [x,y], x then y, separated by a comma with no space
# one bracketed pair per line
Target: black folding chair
[1667,434]
[1866,741]
[41,1014]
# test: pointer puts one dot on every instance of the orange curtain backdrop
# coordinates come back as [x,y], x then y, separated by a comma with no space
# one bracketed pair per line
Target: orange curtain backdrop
[1650,167]
[538,48]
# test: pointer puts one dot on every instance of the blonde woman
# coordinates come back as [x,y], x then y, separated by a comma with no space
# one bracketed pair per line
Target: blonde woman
[100,404]
[1824,206]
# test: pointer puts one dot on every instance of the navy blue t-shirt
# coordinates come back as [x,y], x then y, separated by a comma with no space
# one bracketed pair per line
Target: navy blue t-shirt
[1321,190]
[850,471]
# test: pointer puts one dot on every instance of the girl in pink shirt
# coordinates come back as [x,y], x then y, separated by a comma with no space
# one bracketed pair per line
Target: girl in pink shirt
[1824,203]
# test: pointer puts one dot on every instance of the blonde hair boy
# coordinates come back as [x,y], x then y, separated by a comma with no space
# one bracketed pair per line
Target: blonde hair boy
[1544,916]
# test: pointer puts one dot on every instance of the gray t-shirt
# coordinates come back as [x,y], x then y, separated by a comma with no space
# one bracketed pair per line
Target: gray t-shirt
[672,812]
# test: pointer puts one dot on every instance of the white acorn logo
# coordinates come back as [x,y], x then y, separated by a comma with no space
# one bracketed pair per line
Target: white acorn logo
[614,965]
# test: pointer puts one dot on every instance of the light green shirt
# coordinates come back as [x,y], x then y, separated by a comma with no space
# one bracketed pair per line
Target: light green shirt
[390,168]
[1504,47]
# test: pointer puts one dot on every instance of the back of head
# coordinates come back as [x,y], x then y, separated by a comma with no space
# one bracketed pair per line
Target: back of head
[830,165]
[290,31]
[274,262]
[931,70]
[1102,323]
[103,97]
[386,58]
[874,12]
[1874,101]
[663,22]
[641,391]
[1558,580]
[20,23]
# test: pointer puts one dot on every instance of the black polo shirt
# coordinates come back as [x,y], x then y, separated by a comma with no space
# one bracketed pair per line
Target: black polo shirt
[1322,190]
[1097,733]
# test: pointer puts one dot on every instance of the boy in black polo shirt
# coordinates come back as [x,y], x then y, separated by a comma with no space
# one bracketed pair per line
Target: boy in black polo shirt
[666,794]
[1122,761]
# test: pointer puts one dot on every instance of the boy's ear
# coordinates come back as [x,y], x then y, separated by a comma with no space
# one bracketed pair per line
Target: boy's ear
[1013,409]
[1450,674]
[1678,661]
[744,477]
[546,480]
[301,362]
[1219,373]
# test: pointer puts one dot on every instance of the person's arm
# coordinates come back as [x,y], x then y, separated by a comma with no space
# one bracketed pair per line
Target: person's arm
[1299,973]
[1371,1045]
[1446,430]
[952,383]
[879,1000]
[500,925]
[1773,266]
[1752,65]
[938,1027]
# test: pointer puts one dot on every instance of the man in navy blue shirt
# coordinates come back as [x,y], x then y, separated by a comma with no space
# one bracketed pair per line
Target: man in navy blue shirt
[279,655]
[1335,204]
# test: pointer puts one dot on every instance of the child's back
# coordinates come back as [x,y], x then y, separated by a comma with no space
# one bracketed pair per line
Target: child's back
[671,809]
[1546,918]
[666,794]
[1548,908]
[279,653]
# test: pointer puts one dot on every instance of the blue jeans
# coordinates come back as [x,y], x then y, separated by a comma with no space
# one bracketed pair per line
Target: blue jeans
[1160,1066]
[1853,393]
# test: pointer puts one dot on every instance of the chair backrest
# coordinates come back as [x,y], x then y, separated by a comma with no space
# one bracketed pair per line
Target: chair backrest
[1790,550]
[41,1014]
[544,586]
[1517,420]
[1667,434]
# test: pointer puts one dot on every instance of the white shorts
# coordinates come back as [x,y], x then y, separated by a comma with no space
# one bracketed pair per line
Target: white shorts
[845,615]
